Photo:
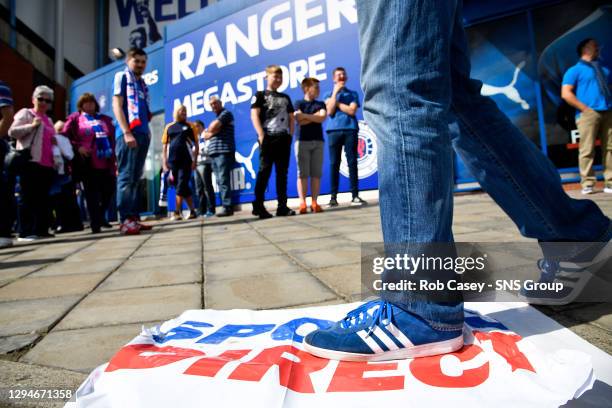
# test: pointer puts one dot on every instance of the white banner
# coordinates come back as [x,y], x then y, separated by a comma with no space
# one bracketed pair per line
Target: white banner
[211,358]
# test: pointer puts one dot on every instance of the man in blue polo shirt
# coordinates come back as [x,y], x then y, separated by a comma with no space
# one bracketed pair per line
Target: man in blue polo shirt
[586,87]
[342,130]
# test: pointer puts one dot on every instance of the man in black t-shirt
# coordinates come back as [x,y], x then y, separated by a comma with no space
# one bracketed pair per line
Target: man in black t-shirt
[272,117]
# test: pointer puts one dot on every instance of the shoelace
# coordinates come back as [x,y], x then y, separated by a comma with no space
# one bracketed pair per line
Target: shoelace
[357,317]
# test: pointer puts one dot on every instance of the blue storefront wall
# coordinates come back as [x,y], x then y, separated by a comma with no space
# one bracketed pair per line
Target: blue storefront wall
[310,40]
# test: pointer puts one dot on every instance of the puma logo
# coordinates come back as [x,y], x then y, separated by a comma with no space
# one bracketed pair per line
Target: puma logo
[509,90]
[248,160]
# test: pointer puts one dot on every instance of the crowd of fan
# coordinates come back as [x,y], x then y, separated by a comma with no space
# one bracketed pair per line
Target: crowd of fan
[46,166]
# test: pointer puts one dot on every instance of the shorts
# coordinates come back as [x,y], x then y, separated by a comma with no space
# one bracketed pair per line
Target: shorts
[309,157]
[181,176]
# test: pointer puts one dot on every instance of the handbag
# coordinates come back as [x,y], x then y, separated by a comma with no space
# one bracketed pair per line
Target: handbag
[14,160]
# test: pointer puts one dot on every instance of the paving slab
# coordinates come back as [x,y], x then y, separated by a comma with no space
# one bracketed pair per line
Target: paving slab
[331,257]
[75,268]
[95,255]
[304,233]
[50,286]
[12,343]
[173,249]
[132,306]
[159,275]
[308,245]
[28,376]
[54,250]
[266,292]
[371,236]
[33,316]
[344,279]
[83,349]
[237,240]
[10,274]
[265,265]
[164,260]
[239,253]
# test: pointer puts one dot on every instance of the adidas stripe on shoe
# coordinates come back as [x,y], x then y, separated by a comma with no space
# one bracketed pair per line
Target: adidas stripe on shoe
[378,331]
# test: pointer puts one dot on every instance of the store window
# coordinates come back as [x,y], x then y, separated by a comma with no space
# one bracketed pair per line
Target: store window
[501,58]
[556,39]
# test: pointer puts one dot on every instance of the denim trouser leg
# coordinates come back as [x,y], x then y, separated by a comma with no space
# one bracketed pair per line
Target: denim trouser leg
[131,165]
[335,141]
[413,45]
[405,48]
[222,165]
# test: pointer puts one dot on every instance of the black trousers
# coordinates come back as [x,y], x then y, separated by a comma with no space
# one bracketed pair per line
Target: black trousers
[275,150]
[99,190]
[34,183]
[7,195]
[67,212]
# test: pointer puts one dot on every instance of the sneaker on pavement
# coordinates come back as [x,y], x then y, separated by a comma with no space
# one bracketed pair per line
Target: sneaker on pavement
[226,212]
[176,217]
[29,238]
[358,201]
[570,276]
[332,202]
[284,212]
[587,190]
[192,215]
[261,212]
[6,242]
[209,214]
[608,189]
[378,331]
[129,227]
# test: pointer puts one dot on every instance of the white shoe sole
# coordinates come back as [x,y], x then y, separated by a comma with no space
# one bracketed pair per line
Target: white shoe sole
[430,349]
[607,190]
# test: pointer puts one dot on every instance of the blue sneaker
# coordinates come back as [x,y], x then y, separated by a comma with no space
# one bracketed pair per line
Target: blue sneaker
[377,331]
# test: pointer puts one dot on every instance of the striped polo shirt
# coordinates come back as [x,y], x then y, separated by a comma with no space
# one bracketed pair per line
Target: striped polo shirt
[223,142]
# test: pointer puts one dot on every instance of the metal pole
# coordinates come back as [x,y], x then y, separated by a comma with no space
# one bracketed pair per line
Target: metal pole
[59,42]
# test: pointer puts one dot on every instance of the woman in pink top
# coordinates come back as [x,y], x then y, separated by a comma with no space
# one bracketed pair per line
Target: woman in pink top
[35,137]
[93,138]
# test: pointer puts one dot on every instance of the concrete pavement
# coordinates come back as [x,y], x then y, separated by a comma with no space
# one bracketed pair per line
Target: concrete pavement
[68,304]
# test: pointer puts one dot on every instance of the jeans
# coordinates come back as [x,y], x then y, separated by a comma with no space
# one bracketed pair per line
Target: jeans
[204,188]
[131,164]
[223,163]
[336,140]
[275,150]
[416,82]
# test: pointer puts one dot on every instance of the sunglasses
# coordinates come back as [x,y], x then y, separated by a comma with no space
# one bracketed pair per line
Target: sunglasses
[45,100]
